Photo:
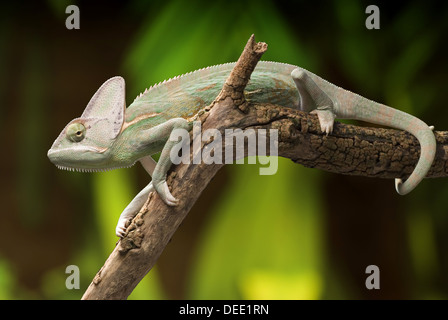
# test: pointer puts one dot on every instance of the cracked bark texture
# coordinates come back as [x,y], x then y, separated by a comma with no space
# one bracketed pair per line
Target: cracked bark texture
[372,152]
[350,149]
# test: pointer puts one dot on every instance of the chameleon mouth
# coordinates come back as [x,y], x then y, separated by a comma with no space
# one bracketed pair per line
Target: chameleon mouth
[74,169]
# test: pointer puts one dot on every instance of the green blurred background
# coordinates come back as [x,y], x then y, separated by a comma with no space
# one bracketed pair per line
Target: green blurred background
[299,234]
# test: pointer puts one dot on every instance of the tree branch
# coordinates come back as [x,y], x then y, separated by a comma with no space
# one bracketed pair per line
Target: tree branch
[372,152]
[350,149]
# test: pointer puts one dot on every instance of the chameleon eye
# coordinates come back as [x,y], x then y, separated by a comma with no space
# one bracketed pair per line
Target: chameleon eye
[76,132]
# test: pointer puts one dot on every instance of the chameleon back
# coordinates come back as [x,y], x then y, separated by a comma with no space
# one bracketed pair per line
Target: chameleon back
[185,95]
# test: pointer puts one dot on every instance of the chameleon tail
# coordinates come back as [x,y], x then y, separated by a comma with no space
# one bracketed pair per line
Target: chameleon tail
[384,115]
[427,141]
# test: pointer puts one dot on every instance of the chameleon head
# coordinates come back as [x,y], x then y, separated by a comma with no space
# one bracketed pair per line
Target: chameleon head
[85,142]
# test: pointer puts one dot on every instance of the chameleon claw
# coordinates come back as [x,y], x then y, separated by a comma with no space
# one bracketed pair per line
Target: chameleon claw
[170,200]
[120,230]
[326,120]
[172,203]
[165,194]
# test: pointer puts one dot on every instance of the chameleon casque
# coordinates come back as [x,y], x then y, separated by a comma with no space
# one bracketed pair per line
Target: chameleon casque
[108,135]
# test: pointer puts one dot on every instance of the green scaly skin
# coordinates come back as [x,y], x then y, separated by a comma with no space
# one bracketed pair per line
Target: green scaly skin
[108,135]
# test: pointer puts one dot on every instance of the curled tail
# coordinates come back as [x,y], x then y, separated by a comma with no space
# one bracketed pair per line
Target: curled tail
[427,141]
[330,102]
[373,112]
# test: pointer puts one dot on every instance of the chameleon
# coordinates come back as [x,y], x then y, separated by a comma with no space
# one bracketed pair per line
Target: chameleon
[109,136]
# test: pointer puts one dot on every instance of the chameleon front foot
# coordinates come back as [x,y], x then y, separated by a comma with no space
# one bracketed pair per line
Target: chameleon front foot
[120,230]
[132,209]
[165,194]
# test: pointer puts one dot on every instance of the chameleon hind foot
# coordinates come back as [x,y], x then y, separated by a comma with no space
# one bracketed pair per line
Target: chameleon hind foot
[326,120]
[314,100]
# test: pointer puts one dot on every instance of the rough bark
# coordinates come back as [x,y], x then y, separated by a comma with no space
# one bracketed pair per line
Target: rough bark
[373,152]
